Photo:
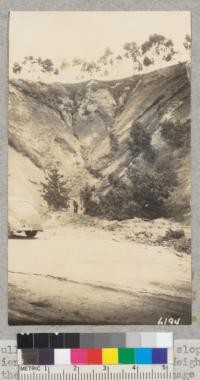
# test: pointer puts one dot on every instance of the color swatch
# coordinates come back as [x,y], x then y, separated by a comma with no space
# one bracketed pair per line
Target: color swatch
[95,348]
[93,356]
[95,340]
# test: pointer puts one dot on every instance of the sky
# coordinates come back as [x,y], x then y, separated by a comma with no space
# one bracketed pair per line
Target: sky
[61,36]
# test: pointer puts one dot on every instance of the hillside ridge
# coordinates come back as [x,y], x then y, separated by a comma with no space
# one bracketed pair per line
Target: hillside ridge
[86,128]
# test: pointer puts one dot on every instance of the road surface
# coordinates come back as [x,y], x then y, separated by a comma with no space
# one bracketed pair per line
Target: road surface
[85,276]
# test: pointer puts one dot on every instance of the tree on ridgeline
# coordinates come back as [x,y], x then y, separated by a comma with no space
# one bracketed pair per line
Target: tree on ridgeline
[47,66]
[132,52]
[157,48]
[90,68]
[64,65]
[77,61]
[35,66]
[188,46]
[17,68]
[106,61]
[147,61]
[187,42]
[56,71]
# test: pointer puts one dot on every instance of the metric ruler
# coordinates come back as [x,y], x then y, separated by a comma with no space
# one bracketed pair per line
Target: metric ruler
[90,372]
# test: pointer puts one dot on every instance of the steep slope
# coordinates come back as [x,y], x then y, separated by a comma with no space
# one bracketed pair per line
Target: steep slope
[24,177]
[155,96]
[41,135]
[74,125]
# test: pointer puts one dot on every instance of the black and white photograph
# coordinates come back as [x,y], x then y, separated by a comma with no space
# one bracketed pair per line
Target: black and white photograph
[99,168]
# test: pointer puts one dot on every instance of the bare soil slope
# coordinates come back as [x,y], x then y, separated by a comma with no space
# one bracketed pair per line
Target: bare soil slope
[71,124]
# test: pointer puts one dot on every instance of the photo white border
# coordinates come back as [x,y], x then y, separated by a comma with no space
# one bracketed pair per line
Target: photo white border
[193,331]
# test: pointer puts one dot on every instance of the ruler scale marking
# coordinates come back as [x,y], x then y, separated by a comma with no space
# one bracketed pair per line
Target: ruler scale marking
[84,372]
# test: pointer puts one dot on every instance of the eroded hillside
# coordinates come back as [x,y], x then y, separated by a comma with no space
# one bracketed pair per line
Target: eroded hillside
[86,128]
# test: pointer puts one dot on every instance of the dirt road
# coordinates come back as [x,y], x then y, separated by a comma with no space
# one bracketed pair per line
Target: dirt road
[80,275]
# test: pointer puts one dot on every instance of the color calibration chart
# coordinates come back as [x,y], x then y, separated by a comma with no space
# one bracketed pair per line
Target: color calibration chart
[99,356]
